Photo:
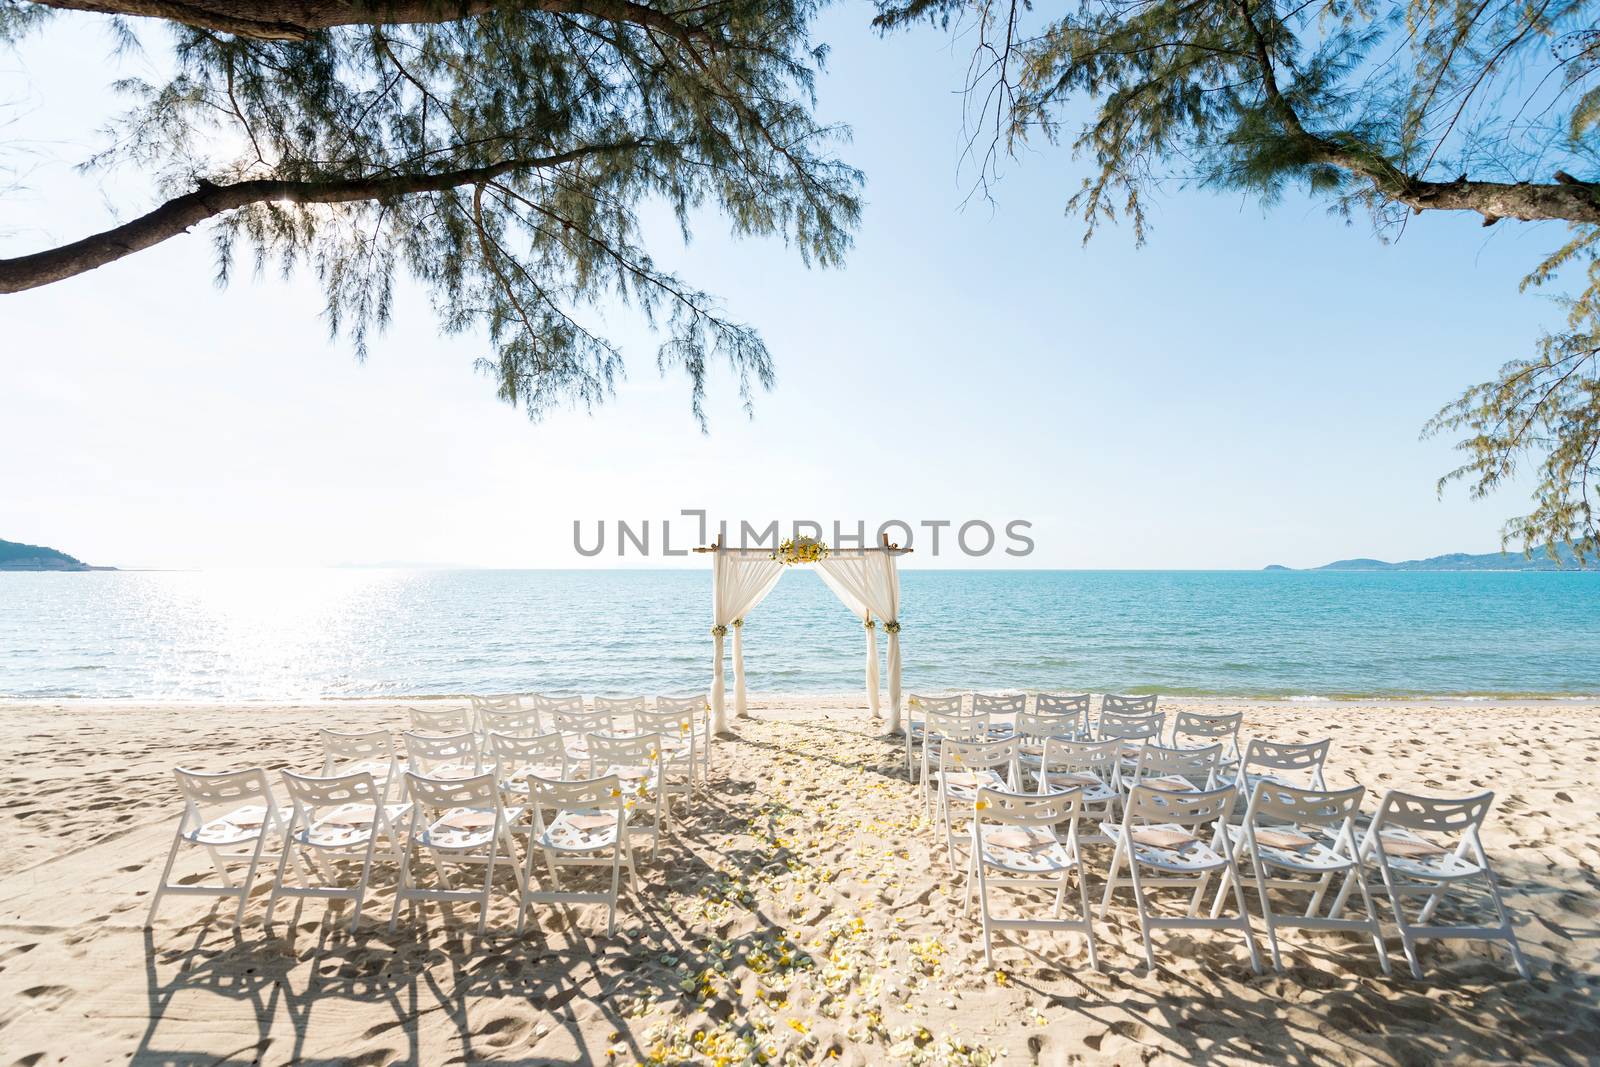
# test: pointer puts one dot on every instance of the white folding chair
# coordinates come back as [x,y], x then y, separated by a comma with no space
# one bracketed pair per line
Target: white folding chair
[371,751]
[549,706]
[230,815]
[917,704]
[1279,762]
[1092,767]
[1175,770]
[443,756]
[1195,729]
[1166,834]
[965,767]
[339,817]
[1075,705]
[501,703]
[621,709]
[636,763]
[514,758]
[509,722]
[1430,846]
[1127,705]
[679,750]
[578,824]
[1032,728]
[462,822]
[695,710]
[940,727]
[1028,841]
[997,704]
[1134,729]
[1299,841]
[440,720]
[576,724]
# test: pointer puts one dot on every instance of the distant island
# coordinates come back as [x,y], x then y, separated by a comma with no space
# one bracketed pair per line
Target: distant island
[19,557]
[1540,560]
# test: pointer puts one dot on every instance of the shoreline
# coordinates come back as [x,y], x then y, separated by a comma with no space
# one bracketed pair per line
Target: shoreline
[845,699]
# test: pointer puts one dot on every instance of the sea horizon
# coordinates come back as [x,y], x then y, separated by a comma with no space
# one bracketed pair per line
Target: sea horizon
[258,634]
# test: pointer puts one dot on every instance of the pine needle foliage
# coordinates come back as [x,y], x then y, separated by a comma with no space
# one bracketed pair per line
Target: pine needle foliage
[502,158]
[1383,107]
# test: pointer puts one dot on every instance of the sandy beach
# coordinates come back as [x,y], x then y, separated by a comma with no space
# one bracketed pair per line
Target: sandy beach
[802,912]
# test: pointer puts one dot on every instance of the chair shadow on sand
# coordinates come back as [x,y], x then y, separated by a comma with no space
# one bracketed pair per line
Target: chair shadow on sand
[493,989]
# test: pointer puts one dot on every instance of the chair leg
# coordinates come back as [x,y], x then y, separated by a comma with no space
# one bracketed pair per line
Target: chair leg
[166,873]
[1505,924]
[983,908]
[277,880]
[1359,873]
[403,884]
[1111,878]
[366,875]
[488,884]
[1088,915]
[1246,926]
[1401,922]
[1145,932]
[249,879]
[1266,910]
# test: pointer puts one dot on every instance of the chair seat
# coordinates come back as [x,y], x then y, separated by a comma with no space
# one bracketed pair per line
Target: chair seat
[966,787]
[581,831]
[1024,850]
[1198,856]
[1096,793]
[460,829]
[452,772]
[378,768]
[517,779]
[1314,858]
[239,825]
[636,778]
[1433,866]
[348,825]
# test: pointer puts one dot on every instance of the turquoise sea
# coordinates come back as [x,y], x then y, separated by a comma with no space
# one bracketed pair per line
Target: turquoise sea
[287,634]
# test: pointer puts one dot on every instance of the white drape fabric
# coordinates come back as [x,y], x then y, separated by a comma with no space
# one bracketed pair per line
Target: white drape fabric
[738,583]
[844,585]
[870,582]
[738,669]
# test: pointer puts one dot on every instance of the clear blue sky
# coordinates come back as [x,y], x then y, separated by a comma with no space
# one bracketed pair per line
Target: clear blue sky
[1246,389]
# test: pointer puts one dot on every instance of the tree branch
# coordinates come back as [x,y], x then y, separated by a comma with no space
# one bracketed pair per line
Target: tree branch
[176,216]
[298,20]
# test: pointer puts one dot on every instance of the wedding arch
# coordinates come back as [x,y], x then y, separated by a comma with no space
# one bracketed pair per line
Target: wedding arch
[866,580]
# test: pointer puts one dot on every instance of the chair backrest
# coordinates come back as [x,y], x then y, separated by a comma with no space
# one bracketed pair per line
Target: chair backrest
[516,722]
[1000,703]
[1199,764]
[550,706]
[309,793]
[1147,805]
[961,726]
[949,705]
[501,702]
[1134,726]
[638,750]
[1005,808]
[206,796]
[578,723]
[507,753]
[1439,815]
[1195,726]
[339,747]
[441,721]
[1128,705]
[1063,757]
[593,794]
[980,755]
[433,794]
[1277,803]
[664,721]
[1262,755]
[427,751]
[621,707]
[202,791]
[692,705]
[1036,725]
[1074,704]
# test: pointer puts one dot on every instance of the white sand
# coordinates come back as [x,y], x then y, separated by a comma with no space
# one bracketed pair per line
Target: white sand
[804,910]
